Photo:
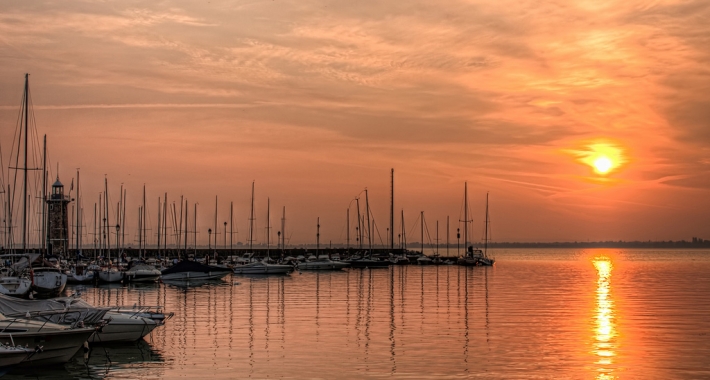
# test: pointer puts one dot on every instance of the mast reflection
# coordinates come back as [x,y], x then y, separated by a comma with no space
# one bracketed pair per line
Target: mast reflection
[605,325]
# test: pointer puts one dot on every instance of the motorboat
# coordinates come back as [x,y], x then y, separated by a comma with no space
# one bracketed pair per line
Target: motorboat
[48,281]
[123,327]
[263,267]
[155,313]
[141,272]
[114,325]
[323,264]
[52,343]
[191,270]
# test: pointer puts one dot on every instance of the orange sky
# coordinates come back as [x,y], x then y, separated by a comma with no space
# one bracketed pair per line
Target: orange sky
[316,100]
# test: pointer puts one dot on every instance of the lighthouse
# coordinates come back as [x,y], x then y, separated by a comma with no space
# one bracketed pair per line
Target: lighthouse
[57,220]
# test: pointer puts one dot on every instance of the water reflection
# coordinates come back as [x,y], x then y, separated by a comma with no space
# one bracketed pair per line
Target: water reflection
[605,325]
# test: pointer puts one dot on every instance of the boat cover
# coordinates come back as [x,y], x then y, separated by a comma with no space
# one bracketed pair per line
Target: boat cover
[65,310]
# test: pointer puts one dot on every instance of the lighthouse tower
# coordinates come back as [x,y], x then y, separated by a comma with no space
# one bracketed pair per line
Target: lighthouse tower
[57,220]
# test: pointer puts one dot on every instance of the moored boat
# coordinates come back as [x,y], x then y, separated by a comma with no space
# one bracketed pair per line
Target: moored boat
[56,343]
[192,270]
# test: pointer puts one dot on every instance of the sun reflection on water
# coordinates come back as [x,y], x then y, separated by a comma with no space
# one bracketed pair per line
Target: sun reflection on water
[605,326]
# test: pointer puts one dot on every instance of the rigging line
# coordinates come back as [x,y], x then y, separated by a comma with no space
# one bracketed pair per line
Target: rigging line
[414,225]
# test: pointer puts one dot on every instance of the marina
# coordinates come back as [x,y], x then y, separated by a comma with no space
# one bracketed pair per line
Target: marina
[537,313]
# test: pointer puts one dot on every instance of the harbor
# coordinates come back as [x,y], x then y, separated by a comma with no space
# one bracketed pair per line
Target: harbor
[443,321]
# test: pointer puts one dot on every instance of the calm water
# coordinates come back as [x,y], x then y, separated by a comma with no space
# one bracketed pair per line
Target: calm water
[538,314]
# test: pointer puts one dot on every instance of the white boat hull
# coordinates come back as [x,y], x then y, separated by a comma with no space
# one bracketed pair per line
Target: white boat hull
[15,286]
[57,346]
[49,283]
[142,275]
[123,328]
[110,276]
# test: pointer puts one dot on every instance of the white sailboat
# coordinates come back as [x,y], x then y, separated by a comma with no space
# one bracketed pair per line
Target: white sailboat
[11,283]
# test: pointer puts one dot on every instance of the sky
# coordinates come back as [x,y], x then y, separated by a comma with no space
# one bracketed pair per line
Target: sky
[582,120]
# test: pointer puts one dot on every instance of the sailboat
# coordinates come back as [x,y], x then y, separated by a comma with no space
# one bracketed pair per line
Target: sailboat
[138,270]
[475,256]
[11,283]
[263,266]
[110,273]
[368,262]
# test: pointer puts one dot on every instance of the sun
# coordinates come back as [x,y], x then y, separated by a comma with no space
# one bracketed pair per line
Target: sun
[603,164]
[603,157]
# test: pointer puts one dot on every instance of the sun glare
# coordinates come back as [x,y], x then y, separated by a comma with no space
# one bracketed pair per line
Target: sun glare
[602,157]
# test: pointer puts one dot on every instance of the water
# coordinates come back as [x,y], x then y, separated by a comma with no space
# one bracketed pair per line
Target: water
[537,314]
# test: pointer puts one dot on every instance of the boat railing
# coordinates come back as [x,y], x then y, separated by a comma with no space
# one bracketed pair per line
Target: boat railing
[74,318]
[136,310]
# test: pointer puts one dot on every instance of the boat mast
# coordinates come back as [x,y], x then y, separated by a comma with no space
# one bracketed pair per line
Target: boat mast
[165,224]
[465,216]
[283,230]
[369,232]
[359,225]
[160,204]
[485,239]
[268,224]
[78,212]
[108,233]
[123,216]
[95,225]
[347,227]
[194,232]
[231,226]
[143,224]
[44,195]
[24,191]
[251,221]
[140,231]
[215,224]
[102,234]
[185,257]
[392,212]
[317,237]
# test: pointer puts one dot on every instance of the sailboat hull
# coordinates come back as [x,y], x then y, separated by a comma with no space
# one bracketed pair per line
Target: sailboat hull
[110,276]
[15,286]
[49,283]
